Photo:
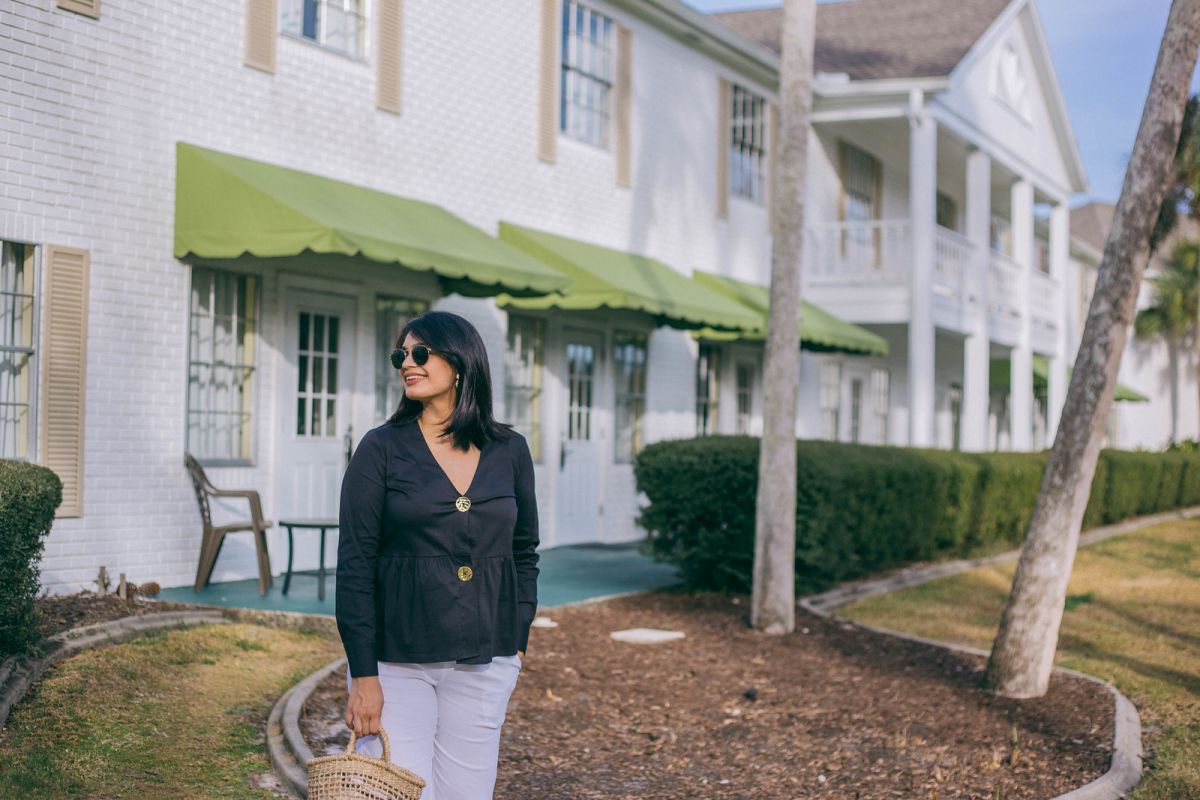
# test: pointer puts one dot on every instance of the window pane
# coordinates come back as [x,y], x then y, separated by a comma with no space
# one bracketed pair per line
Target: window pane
[16,350]
[391,315]
[587,73]
[629,359]
[523,379]
[223,323]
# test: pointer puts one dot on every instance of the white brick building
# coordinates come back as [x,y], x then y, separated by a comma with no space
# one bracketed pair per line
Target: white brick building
[915,175]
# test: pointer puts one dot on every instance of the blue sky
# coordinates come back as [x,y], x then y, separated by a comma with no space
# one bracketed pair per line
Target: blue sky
[1104,53]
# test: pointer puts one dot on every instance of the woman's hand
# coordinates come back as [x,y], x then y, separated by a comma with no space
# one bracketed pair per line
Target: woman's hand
[521,653]
[365,705]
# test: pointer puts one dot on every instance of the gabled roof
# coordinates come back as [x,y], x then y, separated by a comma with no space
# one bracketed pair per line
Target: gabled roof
[1090,223]
[881,39]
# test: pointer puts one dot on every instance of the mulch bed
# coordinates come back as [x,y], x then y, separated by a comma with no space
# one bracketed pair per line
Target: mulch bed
[829,711]
[66,611]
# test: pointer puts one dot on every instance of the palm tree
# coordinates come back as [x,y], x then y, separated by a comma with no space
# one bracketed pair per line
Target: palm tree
[1173,313]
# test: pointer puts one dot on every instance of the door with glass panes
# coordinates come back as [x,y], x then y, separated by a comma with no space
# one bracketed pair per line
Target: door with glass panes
[580,475]
[315,394]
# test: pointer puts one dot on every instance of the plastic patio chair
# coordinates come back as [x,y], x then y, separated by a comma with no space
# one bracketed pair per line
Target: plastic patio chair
[214,535]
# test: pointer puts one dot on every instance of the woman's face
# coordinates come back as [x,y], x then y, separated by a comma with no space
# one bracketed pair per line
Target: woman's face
[426,381]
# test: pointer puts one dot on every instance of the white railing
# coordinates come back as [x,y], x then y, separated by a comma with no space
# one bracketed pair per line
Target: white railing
[1045,300]
[952,254]
[875,252]
[1004,282]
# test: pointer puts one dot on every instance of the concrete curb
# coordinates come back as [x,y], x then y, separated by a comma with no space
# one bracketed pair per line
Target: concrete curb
[1125,768]
[18,673]
[287,751]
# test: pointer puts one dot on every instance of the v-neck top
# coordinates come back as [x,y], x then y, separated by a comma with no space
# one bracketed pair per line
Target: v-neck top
[425,574]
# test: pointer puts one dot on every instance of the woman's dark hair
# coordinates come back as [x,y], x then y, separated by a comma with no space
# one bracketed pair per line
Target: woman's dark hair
[455,339]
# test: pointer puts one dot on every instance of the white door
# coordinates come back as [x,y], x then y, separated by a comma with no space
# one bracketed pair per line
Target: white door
[315,389]
[579,480]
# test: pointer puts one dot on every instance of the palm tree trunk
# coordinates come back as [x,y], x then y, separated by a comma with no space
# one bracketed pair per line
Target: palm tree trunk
[773,599]
[1023,654]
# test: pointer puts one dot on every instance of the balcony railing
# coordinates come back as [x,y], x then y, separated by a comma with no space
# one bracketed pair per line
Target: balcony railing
[1004,282]
[875,252]
[1044,302]
[952,254]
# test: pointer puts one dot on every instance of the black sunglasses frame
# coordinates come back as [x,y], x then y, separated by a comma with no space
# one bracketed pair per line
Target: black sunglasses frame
[400,353]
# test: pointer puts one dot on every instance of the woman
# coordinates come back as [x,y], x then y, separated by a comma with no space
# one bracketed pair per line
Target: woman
[437,566]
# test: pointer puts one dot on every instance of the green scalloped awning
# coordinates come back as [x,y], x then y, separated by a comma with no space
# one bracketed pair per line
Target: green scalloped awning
[1000,371]
[605,278]
[820,331]
[227,207]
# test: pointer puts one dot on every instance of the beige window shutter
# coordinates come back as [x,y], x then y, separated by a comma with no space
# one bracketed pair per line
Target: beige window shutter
[773,148]
[389,63]
[548,69]
[724,98]
[90,8]
[261,33]
[623,116]
[64,359]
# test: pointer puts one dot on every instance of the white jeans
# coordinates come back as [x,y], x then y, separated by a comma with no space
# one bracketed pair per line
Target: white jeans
[443,721]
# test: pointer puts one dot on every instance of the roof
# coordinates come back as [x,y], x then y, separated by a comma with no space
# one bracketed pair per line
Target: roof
[1090,223]
[881,39]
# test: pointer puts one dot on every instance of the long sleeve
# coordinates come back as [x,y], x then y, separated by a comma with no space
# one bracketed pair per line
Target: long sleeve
[360,519]
[525,540]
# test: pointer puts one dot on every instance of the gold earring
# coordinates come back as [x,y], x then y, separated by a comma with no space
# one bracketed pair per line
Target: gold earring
[457,378]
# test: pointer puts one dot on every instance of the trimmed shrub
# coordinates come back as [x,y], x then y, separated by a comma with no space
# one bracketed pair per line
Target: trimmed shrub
[29,495]
[861,509]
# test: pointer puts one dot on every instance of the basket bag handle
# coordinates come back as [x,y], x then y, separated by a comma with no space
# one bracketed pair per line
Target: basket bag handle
[387,746]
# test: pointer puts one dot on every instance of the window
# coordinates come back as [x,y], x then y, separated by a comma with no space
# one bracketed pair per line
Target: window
[337,24]
[1041,254]
[947,212]
[17,354]
[629,358]
[880,402]
[391,315]
[955,400]
[747,148]
[860,174]
[221,365]
[745,395]
[1000,235]
[831,398]
[317,357]
[587,73]
[856,409]
[707,366]
[523,379]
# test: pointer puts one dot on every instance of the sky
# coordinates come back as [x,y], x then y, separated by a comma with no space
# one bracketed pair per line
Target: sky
[1104,53]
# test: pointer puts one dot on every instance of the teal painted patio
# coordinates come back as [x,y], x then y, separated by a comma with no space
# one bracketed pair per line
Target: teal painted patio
[568,574]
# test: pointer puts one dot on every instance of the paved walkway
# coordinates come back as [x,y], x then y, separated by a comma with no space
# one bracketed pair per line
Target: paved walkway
[568,574]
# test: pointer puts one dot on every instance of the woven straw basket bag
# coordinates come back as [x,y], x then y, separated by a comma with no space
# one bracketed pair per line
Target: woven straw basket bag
[354,776]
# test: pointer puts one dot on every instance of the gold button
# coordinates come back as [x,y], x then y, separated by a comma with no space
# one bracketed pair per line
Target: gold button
[462,503]
[464,573]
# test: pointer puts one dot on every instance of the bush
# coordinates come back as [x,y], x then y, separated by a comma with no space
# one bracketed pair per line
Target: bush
[29,495]
[861,509]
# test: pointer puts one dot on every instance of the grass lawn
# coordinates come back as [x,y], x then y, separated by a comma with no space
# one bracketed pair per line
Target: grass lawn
[1132,616]
[175,714]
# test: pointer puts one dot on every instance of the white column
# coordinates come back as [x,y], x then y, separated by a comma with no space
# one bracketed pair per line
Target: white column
[1021,381]
[977,349]
[1060,266]
[922,193]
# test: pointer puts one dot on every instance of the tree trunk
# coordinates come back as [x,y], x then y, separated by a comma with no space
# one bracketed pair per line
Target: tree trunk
[773,602]
[1023,654]
[1173,368]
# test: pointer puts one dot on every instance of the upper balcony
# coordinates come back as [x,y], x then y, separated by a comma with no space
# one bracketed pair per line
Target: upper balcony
[862,271]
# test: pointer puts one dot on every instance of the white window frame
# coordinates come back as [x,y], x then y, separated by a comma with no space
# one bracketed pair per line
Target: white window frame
[831,398]
[587,74]
[881,401]
[392,313]
[744,392]
[250,404]
[524,371]
[747,144]
[291,23]
[708,388]
[629,343]
[10,296]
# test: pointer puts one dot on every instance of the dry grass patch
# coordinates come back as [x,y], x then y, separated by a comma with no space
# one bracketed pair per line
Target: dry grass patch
[1132,617]
[175,713]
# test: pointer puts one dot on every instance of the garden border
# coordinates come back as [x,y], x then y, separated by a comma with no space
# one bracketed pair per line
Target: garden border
[1125,768]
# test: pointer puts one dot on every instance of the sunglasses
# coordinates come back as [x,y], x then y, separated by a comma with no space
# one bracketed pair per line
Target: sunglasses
[420,354]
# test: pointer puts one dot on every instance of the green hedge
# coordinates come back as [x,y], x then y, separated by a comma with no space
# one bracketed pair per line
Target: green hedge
[861,508]
[29,495]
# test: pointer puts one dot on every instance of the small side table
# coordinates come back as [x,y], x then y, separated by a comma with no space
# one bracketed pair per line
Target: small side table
[307,524]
